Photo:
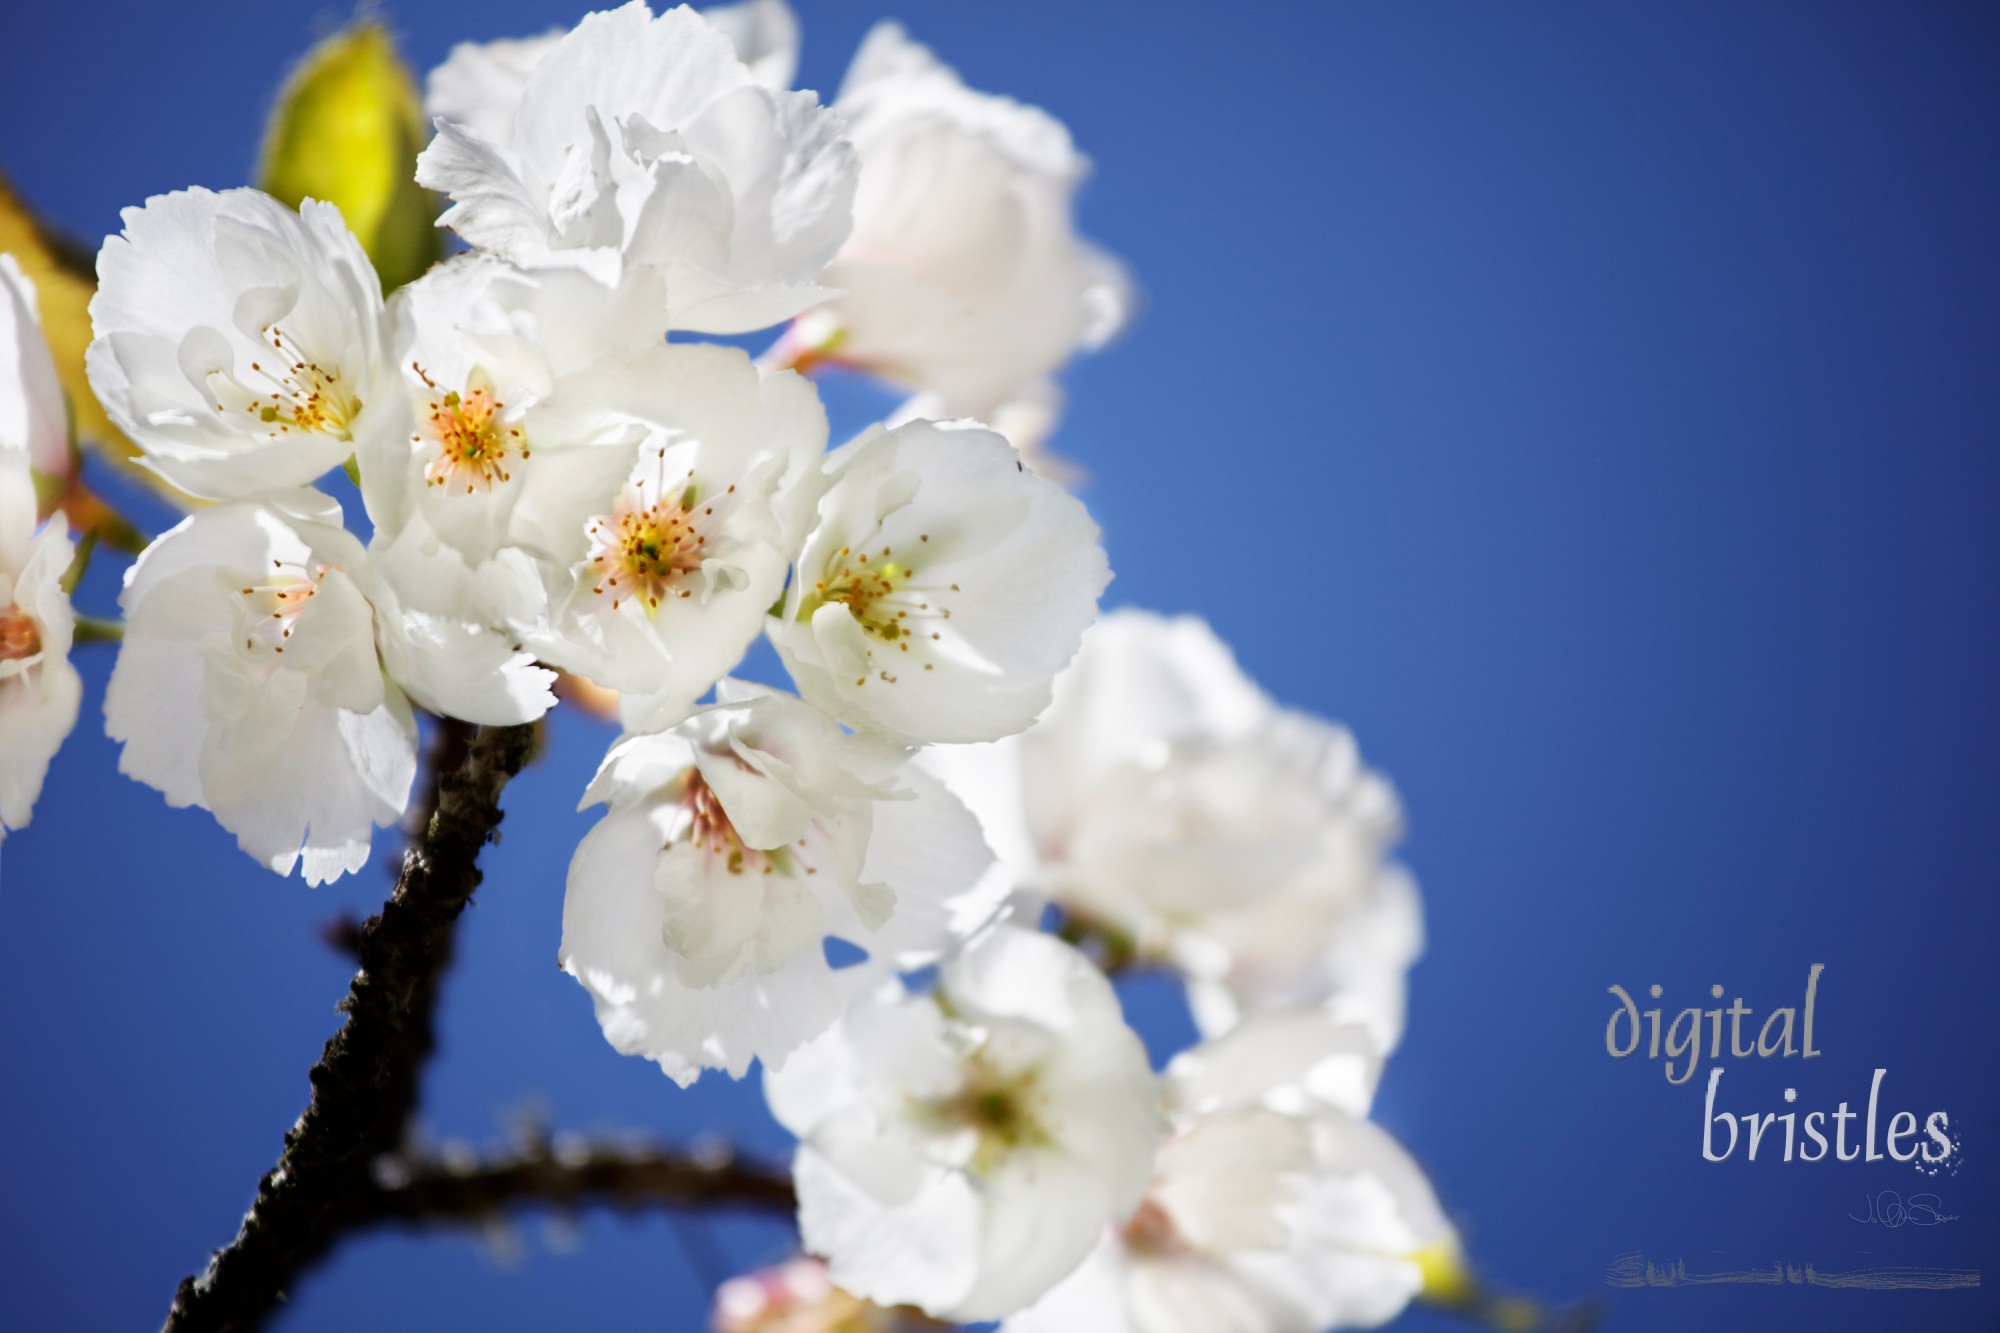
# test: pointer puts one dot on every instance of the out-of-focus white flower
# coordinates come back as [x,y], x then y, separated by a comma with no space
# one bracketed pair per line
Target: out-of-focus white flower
[942,587]
[765,34]
[648,139]
[1274,1206]
[238,343]
[798,1297]
[32,415]
[479,85]
[264,674]
[1171,808]
[962,1150]
[736,845]
[665,585]
[964,279]
[39,689]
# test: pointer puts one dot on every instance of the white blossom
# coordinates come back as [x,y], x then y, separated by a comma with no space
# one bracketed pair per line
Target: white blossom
[962,1150]
[1274,1206]
[648,140]
[39,688]
[238,343]
[942,587]
[33,417]
[479,85]
[663,586]
[266,676]
[735,846]
[1173,809]
[964,279]
[798,1297]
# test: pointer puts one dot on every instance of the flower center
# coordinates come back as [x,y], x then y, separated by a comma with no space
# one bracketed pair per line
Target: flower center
[709,830]
[20,636]
[879,591]
[646,550]
[296,393]
[272,608]
[474,443]
[997,1106]
[1151,1230]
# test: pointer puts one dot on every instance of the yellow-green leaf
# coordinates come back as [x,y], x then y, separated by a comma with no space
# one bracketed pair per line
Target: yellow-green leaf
[347,128]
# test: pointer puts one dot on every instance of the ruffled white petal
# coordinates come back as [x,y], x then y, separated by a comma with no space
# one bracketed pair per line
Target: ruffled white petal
[650,139]
[249,682]
[239,343]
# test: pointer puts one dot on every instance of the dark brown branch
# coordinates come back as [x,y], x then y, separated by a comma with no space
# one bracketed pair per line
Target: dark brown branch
[572,1174]
[364,1087]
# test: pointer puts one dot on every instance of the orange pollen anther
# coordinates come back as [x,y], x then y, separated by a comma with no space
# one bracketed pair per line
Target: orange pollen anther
[293,392]
[475,446]
[644,551]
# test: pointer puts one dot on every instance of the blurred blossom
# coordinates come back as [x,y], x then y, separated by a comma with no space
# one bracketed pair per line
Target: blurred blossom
[798,1297]
[964,281]
[1275,1207]
[961,1150]
[39,689]
[33,418]
[1180,817]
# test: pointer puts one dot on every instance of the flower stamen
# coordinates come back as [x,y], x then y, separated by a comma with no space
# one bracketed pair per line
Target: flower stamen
[474,442]
[20,636]
[648,550]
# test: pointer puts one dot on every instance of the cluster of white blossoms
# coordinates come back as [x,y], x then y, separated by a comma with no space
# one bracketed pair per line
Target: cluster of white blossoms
[846,881]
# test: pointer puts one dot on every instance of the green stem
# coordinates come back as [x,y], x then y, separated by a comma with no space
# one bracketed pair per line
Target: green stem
[96,629]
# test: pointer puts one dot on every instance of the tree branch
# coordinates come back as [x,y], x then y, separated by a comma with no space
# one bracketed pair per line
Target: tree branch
[365,1085]
[568,1174]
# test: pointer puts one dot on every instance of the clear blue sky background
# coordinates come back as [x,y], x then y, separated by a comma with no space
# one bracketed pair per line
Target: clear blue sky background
[1594,404]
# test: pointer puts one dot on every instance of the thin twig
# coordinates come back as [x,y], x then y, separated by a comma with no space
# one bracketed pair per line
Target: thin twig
[570,1174]
[364,1087]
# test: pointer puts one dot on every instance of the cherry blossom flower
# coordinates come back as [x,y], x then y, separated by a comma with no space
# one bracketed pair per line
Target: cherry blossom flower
[736,845]
[964,280]
[1178,815]
[798,1297]
[508,445]
[665,583]
[33,417]
[39,688]
[647,139]
[266,676]
[942,586]
[962,1150]
[1274,1206]
[479,85]
[238,343]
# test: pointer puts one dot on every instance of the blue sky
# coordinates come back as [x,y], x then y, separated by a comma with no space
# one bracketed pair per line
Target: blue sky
[1592,404]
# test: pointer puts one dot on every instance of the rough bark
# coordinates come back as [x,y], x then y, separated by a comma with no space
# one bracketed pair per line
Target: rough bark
[365,1086]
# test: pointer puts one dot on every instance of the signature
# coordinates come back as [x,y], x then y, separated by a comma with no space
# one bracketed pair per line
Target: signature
[1891,1210]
